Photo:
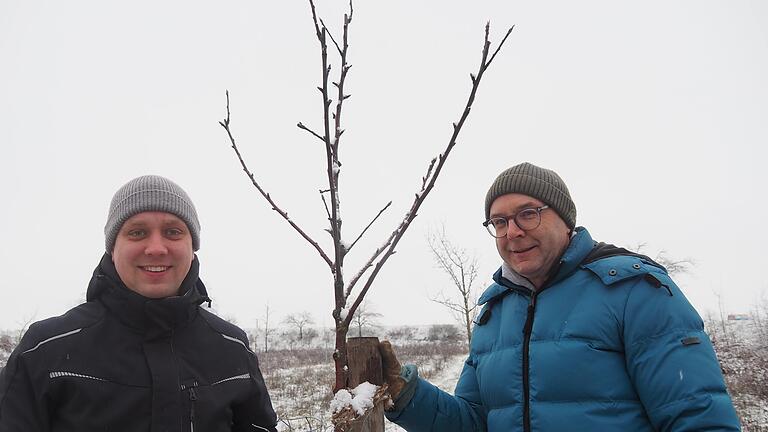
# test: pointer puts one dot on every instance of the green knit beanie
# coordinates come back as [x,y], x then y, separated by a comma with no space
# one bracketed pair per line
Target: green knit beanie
[150,193]
[540,183]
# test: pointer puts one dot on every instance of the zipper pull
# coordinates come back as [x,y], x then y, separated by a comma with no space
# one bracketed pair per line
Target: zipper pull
[192,398]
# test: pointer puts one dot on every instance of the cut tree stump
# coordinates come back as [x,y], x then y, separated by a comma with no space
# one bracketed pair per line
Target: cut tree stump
[365,365]
[364,361]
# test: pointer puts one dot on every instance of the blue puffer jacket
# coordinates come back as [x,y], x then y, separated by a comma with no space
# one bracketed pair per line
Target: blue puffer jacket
[609,344]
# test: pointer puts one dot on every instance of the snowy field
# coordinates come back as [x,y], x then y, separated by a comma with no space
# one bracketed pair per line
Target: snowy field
[299,373]
[299,379]
[742,348]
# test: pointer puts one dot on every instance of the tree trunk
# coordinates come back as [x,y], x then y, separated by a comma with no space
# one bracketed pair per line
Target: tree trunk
[340,358]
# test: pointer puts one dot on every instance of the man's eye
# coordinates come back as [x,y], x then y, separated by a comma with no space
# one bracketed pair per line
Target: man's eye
[136,233]
[173,232]
[499,222]
[527,214]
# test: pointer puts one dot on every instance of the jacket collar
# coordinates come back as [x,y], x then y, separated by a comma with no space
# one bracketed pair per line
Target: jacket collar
[579,247]
[152,317]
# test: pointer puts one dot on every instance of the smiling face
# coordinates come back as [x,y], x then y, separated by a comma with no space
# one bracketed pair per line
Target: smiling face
[530,253]
[153,253]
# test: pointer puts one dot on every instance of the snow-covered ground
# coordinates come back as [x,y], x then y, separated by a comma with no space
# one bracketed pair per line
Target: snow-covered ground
[742,348]
[299,379]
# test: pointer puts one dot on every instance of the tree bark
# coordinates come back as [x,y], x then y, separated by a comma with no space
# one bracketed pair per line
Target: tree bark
[364,361]
[365,365]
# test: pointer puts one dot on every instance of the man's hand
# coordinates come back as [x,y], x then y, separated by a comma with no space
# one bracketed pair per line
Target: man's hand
[391,369]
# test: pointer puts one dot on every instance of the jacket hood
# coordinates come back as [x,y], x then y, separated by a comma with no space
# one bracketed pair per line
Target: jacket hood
[154,317]
[606,250]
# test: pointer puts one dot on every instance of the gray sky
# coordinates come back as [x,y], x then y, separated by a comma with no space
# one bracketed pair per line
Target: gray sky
[653,112]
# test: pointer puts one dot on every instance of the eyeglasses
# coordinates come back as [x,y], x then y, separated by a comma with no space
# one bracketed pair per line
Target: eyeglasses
[526,219]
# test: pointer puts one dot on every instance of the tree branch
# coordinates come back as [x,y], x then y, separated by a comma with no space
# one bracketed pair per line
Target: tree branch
[500,44]
[325,203]
[428,181]
[300,125]
[332,163]
[369,225]
[225,124]
[449,304]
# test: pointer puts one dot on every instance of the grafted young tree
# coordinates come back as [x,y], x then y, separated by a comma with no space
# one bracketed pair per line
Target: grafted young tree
[461,268]
[348,294]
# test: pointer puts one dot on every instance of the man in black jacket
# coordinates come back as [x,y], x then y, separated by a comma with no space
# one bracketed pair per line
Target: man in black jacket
[140,354]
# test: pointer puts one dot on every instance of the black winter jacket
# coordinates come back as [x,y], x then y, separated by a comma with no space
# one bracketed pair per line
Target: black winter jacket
[122,362]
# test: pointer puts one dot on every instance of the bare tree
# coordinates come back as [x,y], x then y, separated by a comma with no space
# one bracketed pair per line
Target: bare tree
[760,316]
[267,330]
[345,303]
[365,317]
[673,266]
[723,318]
[7,344]
[299,321]
[762,322]
[461,268]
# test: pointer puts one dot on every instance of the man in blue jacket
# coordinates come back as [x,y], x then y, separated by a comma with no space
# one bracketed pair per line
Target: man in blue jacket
[574,335]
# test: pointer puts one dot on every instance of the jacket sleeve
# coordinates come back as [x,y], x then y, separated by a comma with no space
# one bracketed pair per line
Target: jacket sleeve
[255,413]
[671,361]
[21,409]
[431,409]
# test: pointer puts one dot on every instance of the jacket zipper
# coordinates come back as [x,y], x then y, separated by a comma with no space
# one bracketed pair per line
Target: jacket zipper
[527,330]
[192,399]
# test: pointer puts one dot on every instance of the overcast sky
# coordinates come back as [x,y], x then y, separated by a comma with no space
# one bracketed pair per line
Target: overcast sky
[653,112]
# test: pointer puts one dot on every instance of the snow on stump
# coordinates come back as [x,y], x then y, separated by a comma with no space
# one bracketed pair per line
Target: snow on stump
[360,409]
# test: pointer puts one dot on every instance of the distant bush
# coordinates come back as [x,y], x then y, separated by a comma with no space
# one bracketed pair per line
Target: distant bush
[401,333]
[443,332]
[7,344]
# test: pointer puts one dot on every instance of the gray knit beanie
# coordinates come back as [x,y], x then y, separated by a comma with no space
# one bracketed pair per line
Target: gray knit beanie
[150,193]
[540,183]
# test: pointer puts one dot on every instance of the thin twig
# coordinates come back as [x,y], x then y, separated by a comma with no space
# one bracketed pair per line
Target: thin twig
[325,203]
[500,45]
[225,124]
[331,36]
[368,226]
[365,267]
[300,125]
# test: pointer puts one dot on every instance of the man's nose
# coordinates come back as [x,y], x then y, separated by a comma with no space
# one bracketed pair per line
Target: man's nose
[514,231]
[156,245]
